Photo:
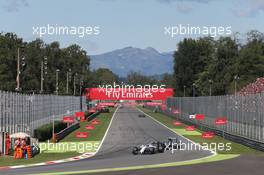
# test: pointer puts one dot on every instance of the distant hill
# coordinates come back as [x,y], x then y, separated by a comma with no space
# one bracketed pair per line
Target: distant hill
[146,61]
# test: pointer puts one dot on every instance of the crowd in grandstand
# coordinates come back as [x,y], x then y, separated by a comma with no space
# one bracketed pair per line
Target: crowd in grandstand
[253,88]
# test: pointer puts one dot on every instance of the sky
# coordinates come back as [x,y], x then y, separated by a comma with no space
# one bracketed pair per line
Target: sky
[123,23]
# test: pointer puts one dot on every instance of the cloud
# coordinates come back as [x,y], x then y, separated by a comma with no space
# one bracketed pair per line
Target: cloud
[172,1]
[250,8]
[15,5]
[184,6]
[241,8]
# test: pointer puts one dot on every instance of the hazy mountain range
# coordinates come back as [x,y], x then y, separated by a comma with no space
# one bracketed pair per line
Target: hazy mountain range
[146,61]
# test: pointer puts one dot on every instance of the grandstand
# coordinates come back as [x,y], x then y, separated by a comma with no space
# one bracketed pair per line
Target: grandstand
[253,88]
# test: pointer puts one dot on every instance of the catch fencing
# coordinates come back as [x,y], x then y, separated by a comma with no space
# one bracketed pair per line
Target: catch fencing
[24,113]
[245,114]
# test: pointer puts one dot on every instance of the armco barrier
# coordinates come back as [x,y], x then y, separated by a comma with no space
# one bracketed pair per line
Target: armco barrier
[235,138]
[24,113]
[245,114]
[59,136]
[94,115]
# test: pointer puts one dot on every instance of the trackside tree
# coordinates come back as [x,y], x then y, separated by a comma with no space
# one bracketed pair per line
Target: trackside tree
[217,65]
[71,61]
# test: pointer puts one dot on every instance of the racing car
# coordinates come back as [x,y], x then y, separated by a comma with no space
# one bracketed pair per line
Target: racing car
[152,148]
[172,143]
[157,147]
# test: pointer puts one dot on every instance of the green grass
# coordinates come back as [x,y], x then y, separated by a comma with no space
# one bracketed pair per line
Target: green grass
[9,161]
[196,135]
[94,135]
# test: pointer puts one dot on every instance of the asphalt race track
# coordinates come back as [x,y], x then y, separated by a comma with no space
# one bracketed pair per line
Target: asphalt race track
[127,130]
[243,165]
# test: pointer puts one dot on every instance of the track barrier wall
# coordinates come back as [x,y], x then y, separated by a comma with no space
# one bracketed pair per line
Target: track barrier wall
[59,136]
[245,115]
[24,113]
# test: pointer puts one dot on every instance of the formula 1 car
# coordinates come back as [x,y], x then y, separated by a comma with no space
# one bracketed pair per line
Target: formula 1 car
[152,148]
[157,147]
[172,143]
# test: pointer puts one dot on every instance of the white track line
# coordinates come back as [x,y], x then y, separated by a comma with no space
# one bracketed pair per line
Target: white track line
[213,152]
[83,156]
[106,131]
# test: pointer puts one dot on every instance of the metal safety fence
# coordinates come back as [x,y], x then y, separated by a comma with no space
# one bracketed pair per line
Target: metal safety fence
[24,113]
[245,114]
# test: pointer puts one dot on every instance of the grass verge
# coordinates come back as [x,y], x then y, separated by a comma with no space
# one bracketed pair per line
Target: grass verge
[196,135]
[44,157]
[95,136]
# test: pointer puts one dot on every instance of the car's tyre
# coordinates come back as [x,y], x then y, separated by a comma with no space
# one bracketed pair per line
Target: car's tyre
[135,150]
[175,146]
[152,150]
[161,147]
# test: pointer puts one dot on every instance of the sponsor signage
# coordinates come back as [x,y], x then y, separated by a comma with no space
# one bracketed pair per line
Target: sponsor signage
[79,114]
[109,104]
[128,93]
[153,104]
[68,119]
[177,123]
[208,135]
[96,122]
[89,127]
[163,107]
[192,116]
[199,116]
[92,110]
[175,111]
[99,107]
[190,128]
[221,121]
[81,135]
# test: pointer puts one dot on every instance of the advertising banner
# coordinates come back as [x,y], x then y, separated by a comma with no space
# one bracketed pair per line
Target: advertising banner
[106,104]
[199,116]
[96,122]
[68,119]
[208,135]
[221,121]
[190,128]
[81,134]
[128,93]
[89,127]
[177,123]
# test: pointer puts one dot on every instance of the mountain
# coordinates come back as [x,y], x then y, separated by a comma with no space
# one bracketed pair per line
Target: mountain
[146,61]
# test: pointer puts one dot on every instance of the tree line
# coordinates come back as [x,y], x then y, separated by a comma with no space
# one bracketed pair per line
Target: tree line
[202,66]
[207,66]
[71,64]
